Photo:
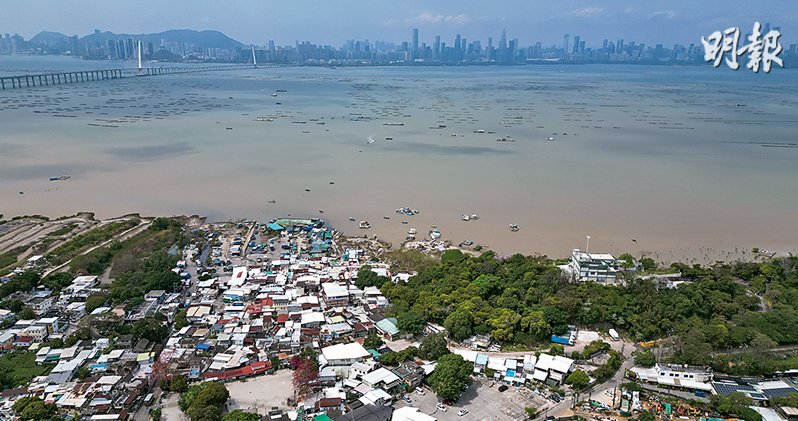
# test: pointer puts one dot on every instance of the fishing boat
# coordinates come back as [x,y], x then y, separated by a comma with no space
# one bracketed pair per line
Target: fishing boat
[61,178]
[352,219]
[435,234]
[411,231]
[465,217]
[364,225]
[550,139]
[474,217]
[514,227]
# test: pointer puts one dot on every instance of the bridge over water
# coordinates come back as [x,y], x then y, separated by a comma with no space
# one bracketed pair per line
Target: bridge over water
[47,79]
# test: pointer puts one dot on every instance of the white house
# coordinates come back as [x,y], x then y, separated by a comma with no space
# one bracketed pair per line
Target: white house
[344,354]
[696,378]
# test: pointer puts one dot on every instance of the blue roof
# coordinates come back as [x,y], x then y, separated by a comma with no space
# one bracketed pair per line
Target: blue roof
[203,347]
[275,227]
[482,359]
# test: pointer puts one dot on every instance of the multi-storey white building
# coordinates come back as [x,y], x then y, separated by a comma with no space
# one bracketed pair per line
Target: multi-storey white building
[596,267]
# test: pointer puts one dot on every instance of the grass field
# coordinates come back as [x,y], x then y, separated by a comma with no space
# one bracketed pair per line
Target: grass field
[18,368]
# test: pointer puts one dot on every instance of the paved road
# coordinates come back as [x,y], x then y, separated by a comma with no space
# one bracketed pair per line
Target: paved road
[564,408]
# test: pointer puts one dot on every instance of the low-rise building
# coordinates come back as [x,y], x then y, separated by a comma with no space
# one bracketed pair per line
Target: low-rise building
[344,354]
[693,378]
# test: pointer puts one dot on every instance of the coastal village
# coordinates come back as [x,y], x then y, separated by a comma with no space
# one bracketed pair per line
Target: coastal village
[258,300]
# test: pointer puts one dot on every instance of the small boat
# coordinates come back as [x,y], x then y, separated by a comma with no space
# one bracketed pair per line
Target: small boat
[466,217]
[63,177]
[281,90]
[272,201]
[321,210]
[514,227]
[386,217]
[474,217]
[550,139]
[410,238]
[388,138]
[404,222]
[435,234]
[364,225]
[352,219]
[332,182]
[307,189]
[411,231]
[274,94]
[370,140]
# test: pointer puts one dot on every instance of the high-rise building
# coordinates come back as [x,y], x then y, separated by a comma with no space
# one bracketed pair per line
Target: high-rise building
[436,49]
[565,39]
[414,52]
[576,44]
[619,46]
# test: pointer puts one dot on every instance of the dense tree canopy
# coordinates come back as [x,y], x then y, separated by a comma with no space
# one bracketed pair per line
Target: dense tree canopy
[433,347]
[450,377]
[204,401]
[524,299]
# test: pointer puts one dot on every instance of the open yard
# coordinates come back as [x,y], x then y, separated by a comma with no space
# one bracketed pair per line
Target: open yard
[260,394]
[482,402]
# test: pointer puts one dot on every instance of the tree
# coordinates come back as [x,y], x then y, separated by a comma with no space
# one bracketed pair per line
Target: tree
[239,415]
[735,404]
[645,358]
[433,347]
[33,408]
[181,320]
[647,416]
[556,349]
[531,412]
[373,341]
[450,377]
[578,379]
[534,323]
[275,362]
[27,313]
[411,322]
[394,358]
[178,384]
[58,280]
[95,301]
[459,325]
[648,264]
[305,378]
[151,329]
[204,401]
[368,278]
[504,323]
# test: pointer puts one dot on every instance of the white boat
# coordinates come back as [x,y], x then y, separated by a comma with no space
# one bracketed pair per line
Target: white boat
[514,227]
[475,217]
[370,140]
[412,231]
[466,217]
[364,225]
[435,234]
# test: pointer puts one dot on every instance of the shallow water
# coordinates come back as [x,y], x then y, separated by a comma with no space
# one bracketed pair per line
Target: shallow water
[687,161]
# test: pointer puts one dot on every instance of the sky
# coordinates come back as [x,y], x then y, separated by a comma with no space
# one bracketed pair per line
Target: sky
[332,22]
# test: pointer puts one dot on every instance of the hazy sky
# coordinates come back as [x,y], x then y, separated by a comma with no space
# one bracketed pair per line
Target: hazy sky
[334,21]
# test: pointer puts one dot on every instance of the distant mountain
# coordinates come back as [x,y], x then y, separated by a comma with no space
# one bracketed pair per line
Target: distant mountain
[204,39]
[49,39]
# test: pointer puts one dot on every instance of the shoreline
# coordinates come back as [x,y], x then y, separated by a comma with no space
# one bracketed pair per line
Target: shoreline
[664,256]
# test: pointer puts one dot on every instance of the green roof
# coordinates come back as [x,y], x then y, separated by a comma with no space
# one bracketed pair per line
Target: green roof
[322,417]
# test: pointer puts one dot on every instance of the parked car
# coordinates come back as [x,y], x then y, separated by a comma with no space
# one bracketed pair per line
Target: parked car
[441,407]
[462,412]
[502,388]
[406,399]
[420,391]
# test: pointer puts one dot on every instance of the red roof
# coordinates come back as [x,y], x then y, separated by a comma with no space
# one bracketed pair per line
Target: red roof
[257,367]
[282,318]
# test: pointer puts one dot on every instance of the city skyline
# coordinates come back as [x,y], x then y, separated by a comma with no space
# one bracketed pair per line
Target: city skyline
[334,23]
